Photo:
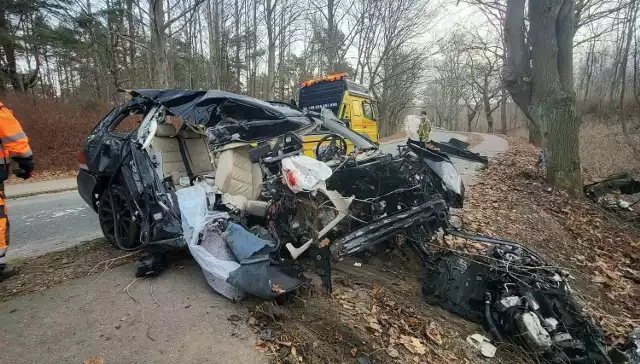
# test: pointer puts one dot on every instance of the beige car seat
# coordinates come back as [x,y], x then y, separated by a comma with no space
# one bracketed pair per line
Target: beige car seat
[166,149]
[238,179]
[197,152]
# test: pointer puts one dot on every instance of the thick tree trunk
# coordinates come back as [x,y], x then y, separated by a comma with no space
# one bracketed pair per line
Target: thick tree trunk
[562,142]
[535,135]
[159,40]
[635,146]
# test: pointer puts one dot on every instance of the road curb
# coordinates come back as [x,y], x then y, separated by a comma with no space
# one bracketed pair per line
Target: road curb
[14,196]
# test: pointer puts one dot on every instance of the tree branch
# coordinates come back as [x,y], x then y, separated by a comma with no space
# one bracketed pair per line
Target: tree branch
[183,13]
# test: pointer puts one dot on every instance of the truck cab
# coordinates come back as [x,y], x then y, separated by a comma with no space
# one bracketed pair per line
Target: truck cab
[349,101]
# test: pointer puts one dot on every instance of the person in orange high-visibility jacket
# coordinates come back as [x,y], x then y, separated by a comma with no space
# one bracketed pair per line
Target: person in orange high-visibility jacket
[14,145]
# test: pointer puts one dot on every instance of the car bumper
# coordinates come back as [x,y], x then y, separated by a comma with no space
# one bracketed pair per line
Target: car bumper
[86,185]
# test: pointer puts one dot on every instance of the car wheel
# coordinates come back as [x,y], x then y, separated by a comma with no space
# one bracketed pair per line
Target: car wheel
[122,231]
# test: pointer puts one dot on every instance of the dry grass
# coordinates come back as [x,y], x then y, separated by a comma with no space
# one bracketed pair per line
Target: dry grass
[604,150]
[56,130]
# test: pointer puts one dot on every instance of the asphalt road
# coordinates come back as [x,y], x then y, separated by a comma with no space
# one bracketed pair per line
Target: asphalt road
[46,223]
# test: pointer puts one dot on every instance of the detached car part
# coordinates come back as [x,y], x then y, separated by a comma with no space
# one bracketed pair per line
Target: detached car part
[517,296]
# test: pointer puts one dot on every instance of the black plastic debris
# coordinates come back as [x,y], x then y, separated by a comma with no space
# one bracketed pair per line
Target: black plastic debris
[517,297]
[267,335]
[621,183]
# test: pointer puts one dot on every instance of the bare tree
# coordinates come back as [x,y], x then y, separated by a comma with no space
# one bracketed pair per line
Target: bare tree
[631,19]
[539,77]
[161,22]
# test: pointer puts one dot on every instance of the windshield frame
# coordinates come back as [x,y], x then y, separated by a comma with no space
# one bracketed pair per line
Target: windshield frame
[336,127]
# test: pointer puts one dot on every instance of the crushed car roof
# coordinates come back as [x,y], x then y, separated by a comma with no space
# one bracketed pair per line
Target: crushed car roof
[208,107]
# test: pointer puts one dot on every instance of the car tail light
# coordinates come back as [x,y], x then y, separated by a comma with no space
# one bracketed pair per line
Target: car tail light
[82,160]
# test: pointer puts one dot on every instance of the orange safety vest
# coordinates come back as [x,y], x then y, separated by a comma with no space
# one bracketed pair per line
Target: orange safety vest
[13,141]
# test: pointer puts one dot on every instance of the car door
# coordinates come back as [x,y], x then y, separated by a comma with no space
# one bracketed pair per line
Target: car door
[103,147]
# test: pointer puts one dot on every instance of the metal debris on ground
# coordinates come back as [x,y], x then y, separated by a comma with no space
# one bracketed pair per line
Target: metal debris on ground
[483,344]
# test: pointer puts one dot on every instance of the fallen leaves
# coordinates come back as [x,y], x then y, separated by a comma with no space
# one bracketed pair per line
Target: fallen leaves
[94,360]
[393,352]
[277,289]
[403,331]
[433,333]
[413,344]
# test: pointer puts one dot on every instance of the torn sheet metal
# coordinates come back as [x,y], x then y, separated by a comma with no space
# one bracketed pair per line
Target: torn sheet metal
[458,149]
[622,183]
[249,118]
[483,344]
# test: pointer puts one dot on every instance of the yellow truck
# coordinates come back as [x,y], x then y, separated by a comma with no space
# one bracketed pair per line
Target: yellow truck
[349,101]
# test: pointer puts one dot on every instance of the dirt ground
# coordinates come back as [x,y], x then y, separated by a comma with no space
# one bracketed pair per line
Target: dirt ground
[49,270]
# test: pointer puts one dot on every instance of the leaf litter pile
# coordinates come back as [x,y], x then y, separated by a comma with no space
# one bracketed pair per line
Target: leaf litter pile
[377,314]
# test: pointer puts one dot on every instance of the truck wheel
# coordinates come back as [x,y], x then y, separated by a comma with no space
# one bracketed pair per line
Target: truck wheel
[122,232]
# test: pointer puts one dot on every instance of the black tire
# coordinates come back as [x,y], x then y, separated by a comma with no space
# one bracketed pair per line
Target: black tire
[128,230]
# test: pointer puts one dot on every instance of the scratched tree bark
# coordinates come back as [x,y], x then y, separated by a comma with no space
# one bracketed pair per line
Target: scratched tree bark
[539,77]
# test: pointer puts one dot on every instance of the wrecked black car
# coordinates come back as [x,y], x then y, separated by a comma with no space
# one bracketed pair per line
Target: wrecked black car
[244,156]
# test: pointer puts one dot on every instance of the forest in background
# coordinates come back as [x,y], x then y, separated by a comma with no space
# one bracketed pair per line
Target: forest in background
[62,61]
[84,51]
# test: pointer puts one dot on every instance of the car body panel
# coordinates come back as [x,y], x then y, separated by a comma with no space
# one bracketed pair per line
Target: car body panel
[86,185]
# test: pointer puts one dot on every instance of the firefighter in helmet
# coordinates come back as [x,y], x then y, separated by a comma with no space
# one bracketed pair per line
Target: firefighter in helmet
[14,145]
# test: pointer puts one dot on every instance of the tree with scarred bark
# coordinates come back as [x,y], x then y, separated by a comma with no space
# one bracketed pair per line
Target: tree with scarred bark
[539,77]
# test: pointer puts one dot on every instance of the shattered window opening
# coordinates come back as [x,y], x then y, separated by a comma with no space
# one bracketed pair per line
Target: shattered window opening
[127,123]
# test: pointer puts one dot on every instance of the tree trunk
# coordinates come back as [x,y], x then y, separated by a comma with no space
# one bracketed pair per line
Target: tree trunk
[281,53]
[217,48]
[238,44]
[159,43]
[330,41]
[503,111]
[562,142]
[9,49]
[535,134]
[625,57]
[541,83]
[487,105]
[271,49]
[254,45]
[132,49]
[471,114]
